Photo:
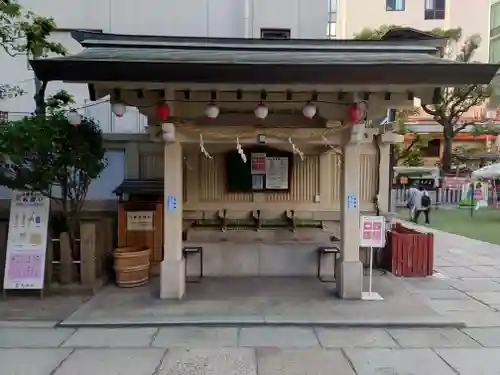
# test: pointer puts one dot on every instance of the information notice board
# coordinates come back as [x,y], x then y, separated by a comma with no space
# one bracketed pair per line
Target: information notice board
[26,241]
[372,231]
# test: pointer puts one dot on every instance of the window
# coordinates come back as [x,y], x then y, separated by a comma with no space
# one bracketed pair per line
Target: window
[435,9]
[394,5]
[275,33]
[331,28]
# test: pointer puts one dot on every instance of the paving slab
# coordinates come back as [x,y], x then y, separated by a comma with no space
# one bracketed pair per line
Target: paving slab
[489,298]
[476,285]
[31,361]
[28,324]
[289,337]
[428,283]
[490,271]
[111,338]
[111,362]
[223,361]
[442,306]
[459,272]
[475,319]
[196,337]
[355,337]
[487,336]
[485,361]
[445,295]
[397,361]
[33,337]
[432,338]
[52,308]
[293,301]
[274,361]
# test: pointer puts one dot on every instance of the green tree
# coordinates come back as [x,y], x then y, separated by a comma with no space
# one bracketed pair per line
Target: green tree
[24,32]
[408,154]
[452,102]
[48,155]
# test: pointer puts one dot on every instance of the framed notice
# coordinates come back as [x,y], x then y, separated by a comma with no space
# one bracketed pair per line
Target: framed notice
[267,169]
[26,241]
[258,165]
[140,221]
[372,231]
[277,173]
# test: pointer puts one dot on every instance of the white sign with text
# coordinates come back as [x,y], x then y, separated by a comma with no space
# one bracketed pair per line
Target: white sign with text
[26,241]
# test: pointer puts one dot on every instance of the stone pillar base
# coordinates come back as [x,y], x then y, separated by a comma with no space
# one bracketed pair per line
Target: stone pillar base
[350,280]
[172,279]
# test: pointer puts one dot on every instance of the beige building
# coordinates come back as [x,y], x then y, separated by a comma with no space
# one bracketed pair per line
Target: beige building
[472,16]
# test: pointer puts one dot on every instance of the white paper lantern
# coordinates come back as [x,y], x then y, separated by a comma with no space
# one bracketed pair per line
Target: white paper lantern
[118,109]
[212,111]
[261,111]
[309,111]
[74,118]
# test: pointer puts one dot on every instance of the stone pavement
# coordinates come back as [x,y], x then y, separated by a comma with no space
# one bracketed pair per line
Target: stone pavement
[466,287]
[258,301]
[466,283]
[249,350]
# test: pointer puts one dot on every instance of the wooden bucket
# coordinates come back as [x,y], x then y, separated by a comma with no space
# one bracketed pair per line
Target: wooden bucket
[132,266]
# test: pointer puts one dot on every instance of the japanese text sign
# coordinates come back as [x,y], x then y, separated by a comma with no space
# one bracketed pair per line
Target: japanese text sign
[372,231]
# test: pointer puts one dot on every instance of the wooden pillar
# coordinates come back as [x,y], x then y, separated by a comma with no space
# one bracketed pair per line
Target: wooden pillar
[88,251]
[66,270]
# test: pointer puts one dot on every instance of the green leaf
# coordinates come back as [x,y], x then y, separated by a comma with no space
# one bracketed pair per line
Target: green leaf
[40,152]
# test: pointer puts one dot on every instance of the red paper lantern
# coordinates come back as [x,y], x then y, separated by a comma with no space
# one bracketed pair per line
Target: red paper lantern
[354,114]
[163,111]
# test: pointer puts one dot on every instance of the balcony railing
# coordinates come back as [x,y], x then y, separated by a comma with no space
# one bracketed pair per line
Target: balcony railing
[132,122]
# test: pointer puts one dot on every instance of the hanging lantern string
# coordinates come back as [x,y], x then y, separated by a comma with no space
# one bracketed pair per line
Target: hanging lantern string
[202,148]
[195,101]
[155,103]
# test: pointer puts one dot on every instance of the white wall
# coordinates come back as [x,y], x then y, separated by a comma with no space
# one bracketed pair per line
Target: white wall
[102,187]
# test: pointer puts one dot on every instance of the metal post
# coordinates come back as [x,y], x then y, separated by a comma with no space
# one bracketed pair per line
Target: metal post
[371,272]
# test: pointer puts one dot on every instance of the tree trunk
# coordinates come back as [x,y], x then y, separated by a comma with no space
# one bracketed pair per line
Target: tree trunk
[447,149]
[39,97]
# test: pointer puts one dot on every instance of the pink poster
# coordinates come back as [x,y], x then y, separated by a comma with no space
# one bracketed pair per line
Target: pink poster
[25,266]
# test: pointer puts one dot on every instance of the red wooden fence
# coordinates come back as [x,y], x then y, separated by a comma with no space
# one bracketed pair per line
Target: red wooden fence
[410,253]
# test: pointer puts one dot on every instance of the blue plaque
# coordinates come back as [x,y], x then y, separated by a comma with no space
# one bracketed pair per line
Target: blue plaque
[352,201]
[171,203]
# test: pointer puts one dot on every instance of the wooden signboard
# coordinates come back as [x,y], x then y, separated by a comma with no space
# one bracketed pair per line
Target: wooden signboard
[141,224]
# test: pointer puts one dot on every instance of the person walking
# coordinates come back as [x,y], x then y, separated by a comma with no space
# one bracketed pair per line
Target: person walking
[425,206]
[414,200]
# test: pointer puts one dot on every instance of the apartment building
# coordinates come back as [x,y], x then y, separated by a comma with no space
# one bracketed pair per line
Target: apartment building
[494,35]
[472,16]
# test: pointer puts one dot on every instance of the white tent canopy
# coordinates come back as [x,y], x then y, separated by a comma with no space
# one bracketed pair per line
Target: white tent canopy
[489,172]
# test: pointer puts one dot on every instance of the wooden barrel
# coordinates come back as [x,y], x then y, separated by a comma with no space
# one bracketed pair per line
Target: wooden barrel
[132,266]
